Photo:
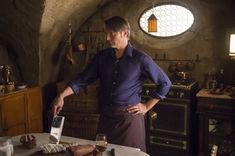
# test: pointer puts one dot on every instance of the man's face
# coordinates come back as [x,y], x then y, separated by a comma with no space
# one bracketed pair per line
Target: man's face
[116,39]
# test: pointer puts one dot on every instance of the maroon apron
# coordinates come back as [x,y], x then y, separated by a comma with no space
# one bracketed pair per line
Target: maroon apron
[121,127]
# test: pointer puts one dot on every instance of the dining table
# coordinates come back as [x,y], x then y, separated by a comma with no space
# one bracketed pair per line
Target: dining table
[43,138]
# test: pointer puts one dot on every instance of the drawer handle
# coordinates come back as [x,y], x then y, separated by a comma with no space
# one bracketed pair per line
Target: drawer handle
[211,107]
[4,129]
[153,115]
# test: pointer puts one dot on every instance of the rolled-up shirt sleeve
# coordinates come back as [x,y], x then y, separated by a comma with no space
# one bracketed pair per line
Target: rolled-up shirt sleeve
[74,86]
[157,76]
[89,75]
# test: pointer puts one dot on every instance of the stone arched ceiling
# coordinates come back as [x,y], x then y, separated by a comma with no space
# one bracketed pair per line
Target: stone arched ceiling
[33,29]
[19,25]
[54,28]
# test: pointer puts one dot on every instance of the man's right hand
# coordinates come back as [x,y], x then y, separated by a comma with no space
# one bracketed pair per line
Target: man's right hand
[57,105]
[58,102]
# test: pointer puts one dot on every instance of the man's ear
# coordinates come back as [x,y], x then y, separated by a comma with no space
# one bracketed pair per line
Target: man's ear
[126,33]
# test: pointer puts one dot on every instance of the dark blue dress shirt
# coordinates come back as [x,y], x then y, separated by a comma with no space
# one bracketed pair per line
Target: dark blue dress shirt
[121,79]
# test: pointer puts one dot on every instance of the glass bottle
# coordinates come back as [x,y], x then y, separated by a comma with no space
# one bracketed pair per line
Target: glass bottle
[6,74]
[6,147]
[208,79]
[1,74]
[220,79]
[2,86]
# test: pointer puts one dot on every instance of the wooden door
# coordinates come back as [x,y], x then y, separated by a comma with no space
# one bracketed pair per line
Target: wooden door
[1,125]
[14,115]
[34,101]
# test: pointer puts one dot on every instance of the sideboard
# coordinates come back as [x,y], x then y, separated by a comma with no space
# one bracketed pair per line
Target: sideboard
[21,112]
[216,123]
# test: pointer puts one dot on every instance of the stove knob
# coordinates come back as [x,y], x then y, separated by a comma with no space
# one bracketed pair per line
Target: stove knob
[178,94]
[171,93]
[147,92]
[182,94]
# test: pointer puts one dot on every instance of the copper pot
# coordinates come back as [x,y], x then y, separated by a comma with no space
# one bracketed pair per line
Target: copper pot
[190,66]
[172,68]
[182,75]
[180,66]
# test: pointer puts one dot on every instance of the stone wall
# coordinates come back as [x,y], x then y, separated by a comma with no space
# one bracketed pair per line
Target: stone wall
[207,39]
[33,34]
[19,27]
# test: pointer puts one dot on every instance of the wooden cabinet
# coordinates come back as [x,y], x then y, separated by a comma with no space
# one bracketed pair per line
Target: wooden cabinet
[216,123]
[34,107]
[21,112]
[13,113]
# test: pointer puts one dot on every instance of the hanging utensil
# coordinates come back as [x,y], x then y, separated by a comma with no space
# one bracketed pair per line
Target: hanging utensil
[69,54]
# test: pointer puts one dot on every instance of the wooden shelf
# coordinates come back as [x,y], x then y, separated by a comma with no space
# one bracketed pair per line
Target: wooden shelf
[163,57]
[178,60]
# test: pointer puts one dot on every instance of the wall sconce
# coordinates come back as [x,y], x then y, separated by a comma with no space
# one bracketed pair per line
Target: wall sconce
[232,45]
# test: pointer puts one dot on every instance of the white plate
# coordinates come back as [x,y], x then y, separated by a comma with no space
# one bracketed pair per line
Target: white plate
[21,86]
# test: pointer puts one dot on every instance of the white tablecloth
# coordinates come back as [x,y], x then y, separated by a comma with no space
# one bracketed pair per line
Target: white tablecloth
[43,138]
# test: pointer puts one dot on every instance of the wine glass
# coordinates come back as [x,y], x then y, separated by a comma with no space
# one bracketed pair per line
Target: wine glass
[101,143]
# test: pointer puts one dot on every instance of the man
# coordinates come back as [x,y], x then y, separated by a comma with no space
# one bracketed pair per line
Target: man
[121,70]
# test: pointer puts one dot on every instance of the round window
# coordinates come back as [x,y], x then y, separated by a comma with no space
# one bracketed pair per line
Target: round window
[171,19]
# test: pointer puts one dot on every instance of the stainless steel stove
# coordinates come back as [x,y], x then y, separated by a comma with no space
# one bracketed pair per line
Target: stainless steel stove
[173,131]
[188,83]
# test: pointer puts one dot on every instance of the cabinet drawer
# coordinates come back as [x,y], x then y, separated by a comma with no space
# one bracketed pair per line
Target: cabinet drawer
[221,108]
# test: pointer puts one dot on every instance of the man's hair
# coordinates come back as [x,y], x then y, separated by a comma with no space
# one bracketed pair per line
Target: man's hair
[117,23]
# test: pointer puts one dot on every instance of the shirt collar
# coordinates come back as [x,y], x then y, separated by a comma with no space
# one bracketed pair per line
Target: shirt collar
[128,50]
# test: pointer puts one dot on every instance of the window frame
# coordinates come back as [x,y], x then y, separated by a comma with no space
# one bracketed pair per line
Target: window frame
[168,3]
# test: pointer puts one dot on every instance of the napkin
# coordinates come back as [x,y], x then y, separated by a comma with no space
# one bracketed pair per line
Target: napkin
[55,148]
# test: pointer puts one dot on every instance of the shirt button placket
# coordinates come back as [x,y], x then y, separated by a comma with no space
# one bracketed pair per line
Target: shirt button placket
[115,74]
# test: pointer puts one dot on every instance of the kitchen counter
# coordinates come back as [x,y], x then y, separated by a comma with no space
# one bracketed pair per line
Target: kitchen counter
[207,94]
[215,103]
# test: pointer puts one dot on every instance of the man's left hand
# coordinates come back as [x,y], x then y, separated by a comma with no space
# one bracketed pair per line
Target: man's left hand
[140,108]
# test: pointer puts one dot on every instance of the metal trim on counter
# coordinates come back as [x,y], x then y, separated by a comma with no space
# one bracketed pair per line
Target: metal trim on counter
[168,142]
[175,86]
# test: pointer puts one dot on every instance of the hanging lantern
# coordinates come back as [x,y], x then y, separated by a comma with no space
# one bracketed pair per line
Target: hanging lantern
[152,23]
